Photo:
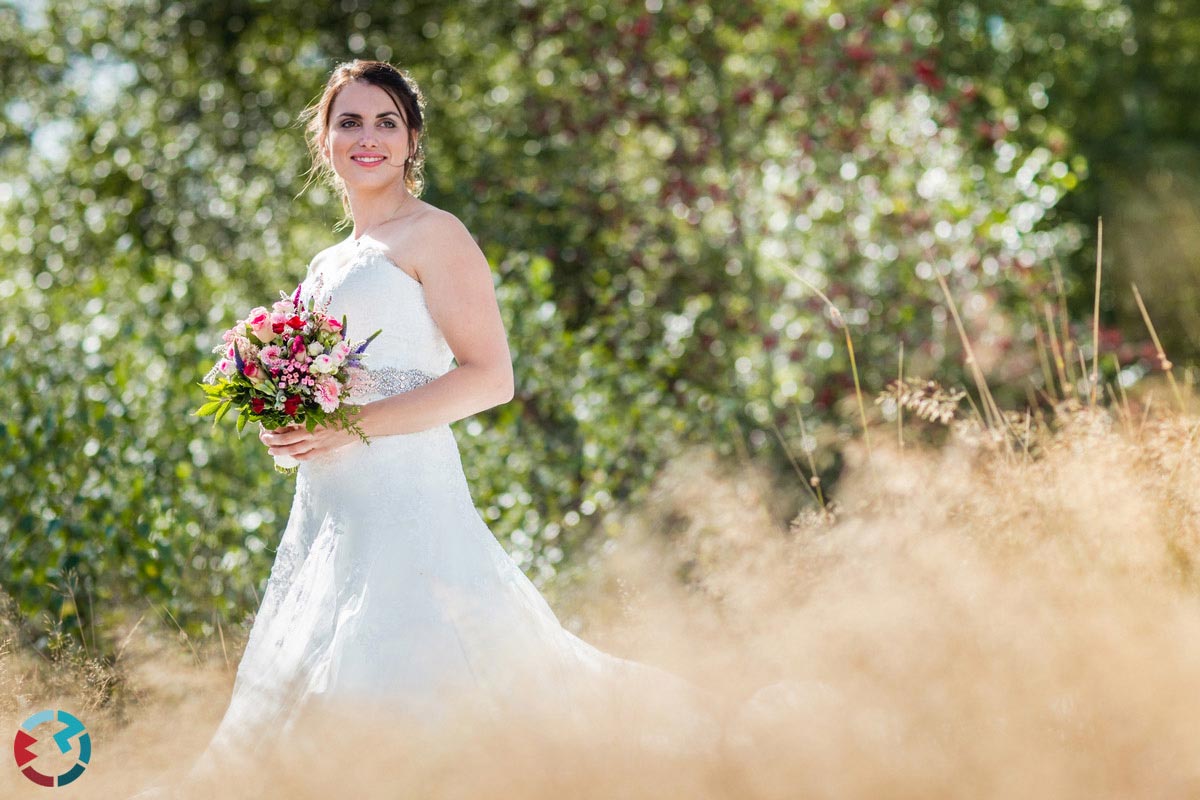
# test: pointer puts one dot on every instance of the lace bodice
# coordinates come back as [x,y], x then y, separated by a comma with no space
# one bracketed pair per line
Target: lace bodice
[374,293]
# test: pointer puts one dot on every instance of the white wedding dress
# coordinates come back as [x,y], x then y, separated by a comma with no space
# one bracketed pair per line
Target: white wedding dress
[388,590]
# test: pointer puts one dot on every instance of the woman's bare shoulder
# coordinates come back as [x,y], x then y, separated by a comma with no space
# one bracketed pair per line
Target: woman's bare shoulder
[427,219]
[439,228]
[427,237]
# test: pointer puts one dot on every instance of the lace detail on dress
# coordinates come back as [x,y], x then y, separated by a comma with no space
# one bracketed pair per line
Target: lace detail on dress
[389,380]
[368,250]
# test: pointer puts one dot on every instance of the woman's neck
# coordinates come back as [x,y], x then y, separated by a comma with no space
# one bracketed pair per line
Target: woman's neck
[371,210]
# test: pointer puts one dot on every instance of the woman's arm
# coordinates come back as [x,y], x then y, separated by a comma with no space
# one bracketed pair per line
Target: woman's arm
[461,299]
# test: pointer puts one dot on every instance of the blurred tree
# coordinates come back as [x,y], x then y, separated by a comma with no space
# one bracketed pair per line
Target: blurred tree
[654,182]
[1112,84]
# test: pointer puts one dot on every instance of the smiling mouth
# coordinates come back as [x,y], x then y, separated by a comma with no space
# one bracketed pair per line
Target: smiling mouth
[367,160]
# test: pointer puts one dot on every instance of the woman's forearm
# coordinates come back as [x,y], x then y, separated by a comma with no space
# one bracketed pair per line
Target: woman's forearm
[461,392]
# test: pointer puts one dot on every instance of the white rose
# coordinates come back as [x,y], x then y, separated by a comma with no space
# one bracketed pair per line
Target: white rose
[323,363]
[315,349]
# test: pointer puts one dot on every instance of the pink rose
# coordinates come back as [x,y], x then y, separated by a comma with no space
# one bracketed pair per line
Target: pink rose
[261,325]
[339,352]
[250,370]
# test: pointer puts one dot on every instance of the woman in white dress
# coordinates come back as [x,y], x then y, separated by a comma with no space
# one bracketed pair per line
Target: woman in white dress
[388,591]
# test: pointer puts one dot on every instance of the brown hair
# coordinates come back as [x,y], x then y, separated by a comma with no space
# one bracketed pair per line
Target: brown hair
[409,101]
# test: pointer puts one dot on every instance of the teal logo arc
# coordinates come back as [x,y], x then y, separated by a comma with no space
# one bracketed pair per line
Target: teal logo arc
[73,729]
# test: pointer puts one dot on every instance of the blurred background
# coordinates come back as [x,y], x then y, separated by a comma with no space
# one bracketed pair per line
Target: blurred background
[659,186]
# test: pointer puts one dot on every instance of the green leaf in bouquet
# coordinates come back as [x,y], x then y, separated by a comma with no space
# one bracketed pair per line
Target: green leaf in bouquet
[210,407]
[310,423]
[224,410]
[241,420]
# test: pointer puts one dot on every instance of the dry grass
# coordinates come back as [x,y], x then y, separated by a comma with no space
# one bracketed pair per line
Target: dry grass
[977,620]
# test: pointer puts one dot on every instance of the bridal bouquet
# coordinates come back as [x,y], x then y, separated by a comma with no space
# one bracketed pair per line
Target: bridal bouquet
[291,364]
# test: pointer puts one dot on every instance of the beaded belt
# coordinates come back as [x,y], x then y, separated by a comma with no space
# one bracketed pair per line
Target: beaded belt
[389,380]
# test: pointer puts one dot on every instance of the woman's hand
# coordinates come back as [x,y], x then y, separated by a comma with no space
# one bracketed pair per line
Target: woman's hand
[296,441]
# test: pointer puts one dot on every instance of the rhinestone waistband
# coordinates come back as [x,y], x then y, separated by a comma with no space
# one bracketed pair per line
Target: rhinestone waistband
[389,380]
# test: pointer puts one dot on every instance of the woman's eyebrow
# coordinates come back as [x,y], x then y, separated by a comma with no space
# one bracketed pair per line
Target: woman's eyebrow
[359,116]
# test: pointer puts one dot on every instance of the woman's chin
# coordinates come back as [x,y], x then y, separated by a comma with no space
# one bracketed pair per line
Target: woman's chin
[375,185]
[373,176]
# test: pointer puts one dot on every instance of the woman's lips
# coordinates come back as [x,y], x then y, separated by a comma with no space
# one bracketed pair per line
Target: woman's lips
[377,160]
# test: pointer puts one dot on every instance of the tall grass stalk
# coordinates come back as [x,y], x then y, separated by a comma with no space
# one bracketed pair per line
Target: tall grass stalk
[995,419]
[1095,381]
[809,483]
[899,407]
[841,320]
[1163,362]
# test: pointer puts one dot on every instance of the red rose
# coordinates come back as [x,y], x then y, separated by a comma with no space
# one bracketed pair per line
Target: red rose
[278,327]
[291,404]
[296,323]
[257,404]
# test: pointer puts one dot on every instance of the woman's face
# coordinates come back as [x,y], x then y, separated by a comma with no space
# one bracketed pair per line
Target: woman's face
[367,140]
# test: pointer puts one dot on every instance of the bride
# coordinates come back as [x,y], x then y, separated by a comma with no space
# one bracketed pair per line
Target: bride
[388,591]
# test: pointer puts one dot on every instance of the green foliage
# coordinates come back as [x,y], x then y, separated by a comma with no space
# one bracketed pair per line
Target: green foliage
[1109,86]
[649,185]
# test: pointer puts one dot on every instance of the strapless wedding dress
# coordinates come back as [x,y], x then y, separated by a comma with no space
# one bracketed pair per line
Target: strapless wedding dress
[388,590]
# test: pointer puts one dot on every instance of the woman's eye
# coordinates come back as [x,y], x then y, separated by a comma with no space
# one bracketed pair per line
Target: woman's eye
[348,122]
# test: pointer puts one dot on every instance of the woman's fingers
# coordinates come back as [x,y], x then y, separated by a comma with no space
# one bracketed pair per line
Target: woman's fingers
[283,435]
[285,443]
[295,450]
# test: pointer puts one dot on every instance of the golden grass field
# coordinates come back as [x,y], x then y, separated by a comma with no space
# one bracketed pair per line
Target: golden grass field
[995,617]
